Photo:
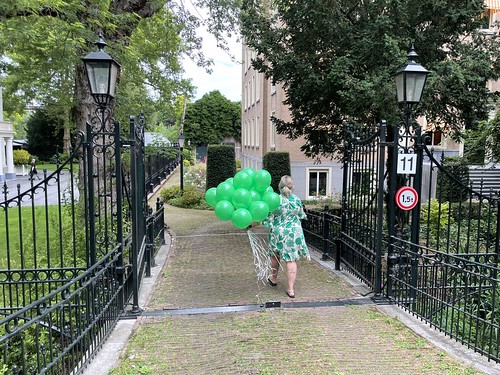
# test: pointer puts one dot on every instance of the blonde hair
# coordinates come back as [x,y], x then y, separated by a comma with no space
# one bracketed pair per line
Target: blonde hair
[285,186]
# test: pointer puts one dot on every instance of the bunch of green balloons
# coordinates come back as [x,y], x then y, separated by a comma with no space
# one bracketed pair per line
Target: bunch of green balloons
[244,198]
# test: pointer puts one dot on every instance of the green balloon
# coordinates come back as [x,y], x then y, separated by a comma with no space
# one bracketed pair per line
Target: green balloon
[259,210]
[272,199]
[211,197]
[242,198]
[241,218]
[224,210]
[255,195]
[225,191]
[242,180]
[269,188]
[249,171]
[261,180]
[230,180]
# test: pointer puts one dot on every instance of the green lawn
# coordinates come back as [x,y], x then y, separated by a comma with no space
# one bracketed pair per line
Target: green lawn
[52,167]
[23,228]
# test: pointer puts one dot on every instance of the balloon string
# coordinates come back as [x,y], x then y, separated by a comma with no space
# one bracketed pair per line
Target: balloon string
[261,259]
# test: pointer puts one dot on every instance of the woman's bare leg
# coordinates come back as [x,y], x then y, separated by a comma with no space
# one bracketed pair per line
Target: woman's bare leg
[275,264]
[291,275]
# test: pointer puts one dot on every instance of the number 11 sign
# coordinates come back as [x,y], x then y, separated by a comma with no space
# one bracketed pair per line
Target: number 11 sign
[406,198]
[407,164]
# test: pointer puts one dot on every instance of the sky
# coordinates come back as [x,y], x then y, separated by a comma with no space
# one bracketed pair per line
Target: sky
[226,74]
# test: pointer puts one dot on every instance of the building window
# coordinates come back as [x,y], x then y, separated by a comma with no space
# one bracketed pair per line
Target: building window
[318,183]
[248,133]
[273,87]
[244,134]
[254,90]
[245,98]
[257,132]
[257,88]
[272,133]
[252,133]
[433,138]
[249,96]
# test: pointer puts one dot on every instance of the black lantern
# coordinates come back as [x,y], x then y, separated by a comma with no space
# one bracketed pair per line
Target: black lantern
[181,140]
[102,72]
[410,81]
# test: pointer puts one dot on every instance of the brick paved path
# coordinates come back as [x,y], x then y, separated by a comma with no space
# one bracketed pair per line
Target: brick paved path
[210,264]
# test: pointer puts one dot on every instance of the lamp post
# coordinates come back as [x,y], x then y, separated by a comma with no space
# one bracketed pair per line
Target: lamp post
[181,141]
[102,72]
[407,162]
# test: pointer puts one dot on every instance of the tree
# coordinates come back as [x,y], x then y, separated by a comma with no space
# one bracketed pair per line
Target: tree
[483,142]
[336,60]
[42,43]
[212,118]
[44,134]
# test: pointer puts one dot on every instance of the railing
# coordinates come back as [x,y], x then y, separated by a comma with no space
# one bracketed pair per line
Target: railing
[438,259]
[60,332]
[56,307]
[322,230]
[458,294]
[158,167]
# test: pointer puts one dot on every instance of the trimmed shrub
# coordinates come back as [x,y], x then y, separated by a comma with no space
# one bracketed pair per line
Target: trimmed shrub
[221,164]
[170,193]
[277,163]
[21,157]
[191,198]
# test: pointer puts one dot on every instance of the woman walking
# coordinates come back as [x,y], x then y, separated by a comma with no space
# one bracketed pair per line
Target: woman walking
[286,237]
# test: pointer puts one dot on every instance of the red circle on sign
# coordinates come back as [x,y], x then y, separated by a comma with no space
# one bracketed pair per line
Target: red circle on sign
[406,198]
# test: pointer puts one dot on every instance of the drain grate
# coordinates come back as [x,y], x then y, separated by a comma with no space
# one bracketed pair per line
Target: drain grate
[257,307]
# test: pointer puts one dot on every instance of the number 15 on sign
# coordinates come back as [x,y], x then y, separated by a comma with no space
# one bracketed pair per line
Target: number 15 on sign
[406,198]
[407,164]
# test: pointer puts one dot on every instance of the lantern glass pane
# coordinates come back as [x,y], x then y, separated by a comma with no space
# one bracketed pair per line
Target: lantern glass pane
[98,73]
[414,86]
[112,78]
[400,87]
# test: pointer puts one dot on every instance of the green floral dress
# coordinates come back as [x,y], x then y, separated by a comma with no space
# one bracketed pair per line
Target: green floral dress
[286,237]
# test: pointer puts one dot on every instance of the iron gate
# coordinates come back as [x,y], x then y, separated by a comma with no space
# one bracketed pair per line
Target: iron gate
[438,257]
[78,242]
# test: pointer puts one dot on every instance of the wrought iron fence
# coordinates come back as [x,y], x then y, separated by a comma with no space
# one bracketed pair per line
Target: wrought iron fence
[439,261]
[449,278]
[71,261]
[322,230]
[158,167]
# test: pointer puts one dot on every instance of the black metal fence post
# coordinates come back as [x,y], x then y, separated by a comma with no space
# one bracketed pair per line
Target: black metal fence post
[150,240]
[120,269]
[415,215]
[135,219]
[326,236]
[380,213]
[90,201]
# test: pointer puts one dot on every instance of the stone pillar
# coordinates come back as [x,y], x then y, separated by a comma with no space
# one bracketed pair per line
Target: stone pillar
[1,101]
[2,159]
[11,173]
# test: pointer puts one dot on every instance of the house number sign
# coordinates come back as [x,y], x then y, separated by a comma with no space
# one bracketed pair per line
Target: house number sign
[407,164]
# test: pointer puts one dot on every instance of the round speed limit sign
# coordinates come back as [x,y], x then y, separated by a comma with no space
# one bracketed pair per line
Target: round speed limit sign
[406,198]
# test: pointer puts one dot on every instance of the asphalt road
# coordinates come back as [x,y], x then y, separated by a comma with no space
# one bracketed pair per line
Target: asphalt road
[48,191]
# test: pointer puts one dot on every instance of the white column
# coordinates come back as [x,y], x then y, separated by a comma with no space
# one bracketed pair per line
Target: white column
[2,158]
[11,173]
[1,101]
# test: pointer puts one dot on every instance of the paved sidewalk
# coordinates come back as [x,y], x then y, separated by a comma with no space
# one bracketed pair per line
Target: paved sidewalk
[205,313]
